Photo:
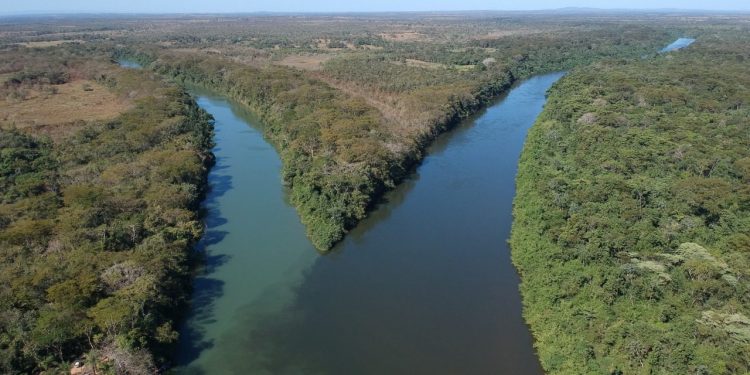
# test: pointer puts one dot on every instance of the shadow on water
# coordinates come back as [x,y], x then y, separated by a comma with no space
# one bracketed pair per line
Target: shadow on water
[206,290]
[394,198]
[423,285]
[218,185]
[380,213]
[255,246]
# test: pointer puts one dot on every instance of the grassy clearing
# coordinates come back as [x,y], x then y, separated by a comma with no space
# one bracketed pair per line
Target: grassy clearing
[82,100]
[309,62]
[49,43]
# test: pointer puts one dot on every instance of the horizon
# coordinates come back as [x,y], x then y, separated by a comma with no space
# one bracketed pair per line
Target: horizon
[50,13]
[42,7]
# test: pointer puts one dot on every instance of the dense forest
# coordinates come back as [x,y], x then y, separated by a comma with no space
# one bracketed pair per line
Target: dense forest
[97,220]
[631,220]
[632,215]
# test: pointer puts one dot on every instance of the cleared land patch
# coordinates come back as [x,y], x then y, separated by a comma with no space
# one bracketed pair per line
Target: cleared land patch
[432,65]
[403,36]
[74,101]
[305,62]
[48,43]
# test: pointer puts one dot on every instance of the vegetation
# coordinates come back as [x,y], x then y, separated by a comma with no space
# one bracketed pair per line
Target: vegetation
[332,146]
[632,216]
[97,224]
[355,127]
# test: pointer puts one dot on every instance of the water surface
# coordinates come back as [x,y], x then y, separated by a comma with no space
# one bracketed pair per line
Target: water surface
[678,44]
[255,245]
[424,285]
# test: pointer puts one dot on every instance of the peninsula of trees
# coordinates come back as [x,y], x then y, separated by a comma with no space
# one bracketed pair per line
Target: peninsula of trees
[631,216]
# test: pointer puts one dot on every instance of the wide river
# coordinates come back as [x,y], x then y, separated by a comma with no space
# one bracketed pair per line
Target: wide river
[424,285]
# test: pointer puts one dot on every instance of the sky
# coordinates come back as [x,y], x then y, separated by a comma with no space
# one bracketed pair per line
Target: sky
[230,6]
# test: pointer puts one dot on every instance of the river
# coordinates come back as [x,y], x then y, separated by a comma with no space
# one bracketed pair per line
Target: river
[678,44]
[424,285]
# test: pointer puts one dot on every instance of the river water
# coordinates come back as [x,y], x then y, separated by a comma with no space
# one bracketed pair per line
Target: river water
[678,44]
[424,285]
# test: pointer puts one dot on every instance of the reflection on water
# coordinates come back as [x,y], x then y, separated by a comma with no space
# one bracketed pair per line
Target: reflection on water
[255,246]
[424,285]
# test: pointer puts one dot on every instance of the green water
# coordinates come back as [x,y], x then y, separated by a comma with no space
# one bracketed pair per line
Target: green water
[423,286]
[256,248]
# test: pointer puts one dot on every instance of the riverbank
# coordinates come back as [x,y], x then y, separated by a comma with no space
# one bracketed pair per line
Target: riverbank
[98,213]
[268,303]
[340,154]
[631,218]
[253,243]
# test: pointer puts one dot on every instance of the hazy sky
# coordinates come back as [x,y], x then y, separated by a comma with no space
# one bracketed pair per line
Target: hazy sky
[191,6]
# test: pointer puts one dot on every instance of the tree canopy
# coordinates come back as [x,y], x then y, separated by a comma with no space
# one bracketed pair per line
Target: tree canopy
[631,218]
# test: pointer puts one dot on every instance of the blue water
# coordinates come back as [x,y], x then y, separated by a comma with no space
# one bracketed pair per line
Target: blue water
[424,285]
[678,44]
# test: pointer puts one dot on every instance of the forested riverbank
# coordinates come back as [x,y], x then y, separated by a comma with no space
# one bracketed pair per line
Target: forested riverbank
[103,169]
[340,150]
[632,215]
[98,216]
[333,147]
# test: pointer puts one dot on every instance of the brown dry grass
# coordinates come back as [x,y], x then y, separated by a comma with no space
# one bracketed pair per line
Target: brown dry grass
[408,116]
[403,36]
[322,44]
[433,66]
[310,62]
[188,51]
[49,43]
[497,34]
[424,64]
[53,114]
[397,118]
[241,54]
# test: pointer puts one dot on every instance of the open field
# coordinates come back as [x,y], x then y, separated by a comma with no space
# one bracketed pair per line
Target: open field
[305,62]
[48,43]
[60,106]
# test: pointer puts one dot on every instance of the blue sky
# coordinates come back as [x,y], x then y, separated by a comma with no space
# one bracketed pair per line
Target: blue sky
[220,6]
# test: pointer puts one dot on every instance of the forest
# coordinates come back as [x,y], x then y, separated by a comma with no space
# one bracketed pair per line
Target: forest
[630,221]
[632,215]
[97,217]
[355,125]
